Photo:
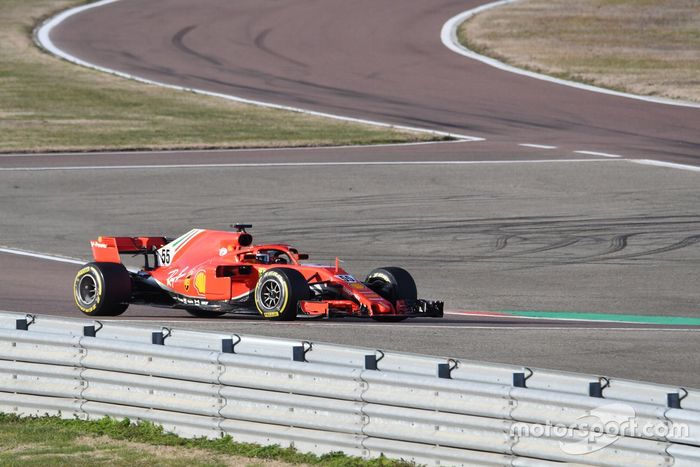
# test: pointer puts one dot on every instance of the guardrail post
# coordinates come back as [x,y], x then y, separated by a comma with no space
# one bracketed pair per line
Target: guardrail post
[157,338]
[228,345]
[299,351]
[23,324]
[444,371]
[595,389]
[520,379]
[371,362]
[673,400]
[89,331]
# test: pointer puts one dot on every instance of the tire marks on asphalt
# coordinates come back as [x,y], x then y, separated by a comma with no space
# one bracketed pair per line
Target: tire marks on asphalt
[178,41]
[511,239]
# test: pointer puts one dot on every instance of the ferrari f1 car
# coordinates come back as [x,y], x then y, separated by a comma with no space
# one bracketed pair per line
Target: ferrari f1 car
[209,273]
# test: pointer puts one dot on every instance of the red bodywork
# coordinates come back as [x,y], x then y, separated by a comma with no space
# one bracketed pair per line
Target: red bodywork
[215,270]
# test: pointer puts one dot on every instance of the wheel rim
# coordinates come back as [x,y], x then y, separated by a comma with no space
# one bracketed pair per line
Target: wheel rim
[270,295]
[87,290]
[384,288]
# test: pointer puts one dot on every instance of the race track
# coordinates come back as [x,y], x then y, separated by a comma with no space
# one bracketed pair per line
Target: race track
[648,352]
[381,60]
[485,226]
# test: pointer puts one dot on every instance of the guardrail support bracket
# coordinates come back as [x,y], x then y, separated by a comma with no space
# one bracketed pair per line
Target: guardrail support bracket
[229,345]
[595,389]
[444,370]
[519,380]
[158,338]
[89,331]
[371,362]
[673,400]
[298,353]
[23,324]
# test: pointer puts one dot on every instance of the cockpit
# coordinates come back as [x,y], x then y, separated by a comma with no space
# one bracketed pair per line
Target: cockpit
[273,256]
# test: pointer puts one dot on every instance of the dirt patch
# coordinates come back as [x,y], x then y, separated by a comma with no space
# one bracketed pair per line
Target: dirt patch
[647,47]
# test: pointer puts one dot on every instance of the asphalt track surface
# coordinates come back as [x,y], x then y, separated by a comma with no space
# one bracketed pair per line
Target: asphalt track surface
[483,225]
[376,59]
[651,353]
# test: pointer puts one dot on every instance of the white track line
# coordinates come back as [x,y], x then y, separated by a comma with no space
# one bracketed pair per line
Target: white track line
[536,146]
[58,259]
[294,164]
[595,153]
[669,165]
[32,254]
[451,41]
[43,38]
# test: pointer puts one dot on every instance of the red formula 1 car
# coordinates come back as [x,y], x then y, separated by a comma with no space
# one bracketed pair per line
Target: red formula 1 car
[210,273]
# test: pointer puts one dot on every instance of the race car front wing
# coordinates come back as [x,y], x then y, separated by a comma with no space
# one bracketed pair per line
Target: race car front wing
[420,308]
[345,307]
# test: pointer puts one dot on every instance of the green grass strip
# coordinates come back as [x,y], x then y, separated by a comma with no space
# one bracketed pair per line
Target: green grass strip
[645,47]
[47,104]
[641,319]
[55,441]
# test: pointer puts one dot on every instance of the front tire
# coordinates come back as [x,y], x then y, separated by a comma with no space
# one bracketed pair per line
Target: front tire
[278,292]
[392,284]
[102,289]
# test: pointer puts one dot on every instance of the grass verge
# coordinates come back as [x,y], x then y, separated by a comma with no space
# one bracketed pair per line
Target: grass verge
[646,47]
[47,104]
[54,441]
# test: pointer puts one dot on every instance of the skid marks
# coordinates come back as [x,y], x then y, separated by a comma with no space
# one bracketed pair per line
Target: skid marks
[178,41]
[599,240]
[686,242]
[521,241]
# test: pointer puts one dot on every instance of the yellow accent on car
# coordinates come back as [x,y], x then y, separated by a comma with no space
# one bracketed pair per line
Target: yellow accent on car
[200,282]
[98,288]
[285,291]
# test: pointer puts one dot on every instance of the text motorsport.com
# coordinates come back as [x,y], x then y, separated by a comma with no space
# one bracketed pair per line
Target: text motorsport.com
[601,427]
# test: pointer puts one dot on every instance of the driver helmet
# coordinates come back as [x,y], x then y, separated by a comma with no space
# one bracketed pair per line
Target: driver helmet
[262,257]
[277,258]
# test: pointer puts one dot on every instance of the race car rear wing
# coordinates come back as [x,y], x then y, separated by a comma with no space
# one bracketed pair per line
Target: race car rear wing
[108,249]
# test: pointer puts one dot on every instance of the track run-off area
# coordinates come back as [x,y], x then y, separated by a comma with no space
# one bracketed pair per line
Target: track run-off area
[563,201]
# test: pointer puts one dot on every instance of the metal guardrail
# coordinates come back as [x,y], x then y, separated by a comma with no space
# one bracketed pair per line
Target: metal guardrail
[322,397]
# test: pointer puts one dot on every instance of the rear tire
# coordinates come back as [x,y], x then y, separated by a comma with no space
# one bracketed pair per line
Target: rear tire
[392,284]
[278,292]
[102,289]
